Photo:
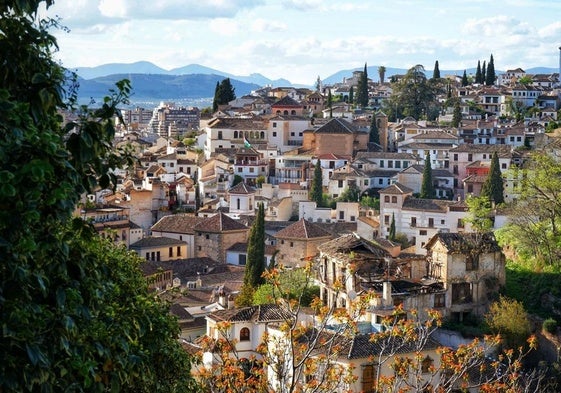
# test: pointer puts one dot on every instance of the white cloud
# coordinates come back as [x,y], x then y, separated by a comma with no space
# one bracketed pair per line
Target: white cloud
[222,26]
[265,25]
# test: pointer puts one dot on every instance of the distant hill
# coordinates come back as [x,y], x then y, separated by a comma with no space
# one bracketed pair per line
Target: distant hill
[159,87]
[145,67]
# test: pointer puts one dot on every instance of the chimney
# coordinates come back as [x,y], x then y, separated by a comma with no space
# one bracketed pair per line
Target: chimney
[199,282]
[387,300]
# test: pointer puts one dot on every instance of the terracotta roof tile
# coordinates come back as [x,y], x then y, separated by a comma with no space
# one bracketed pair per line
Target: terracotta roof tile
[302,229]
[177,223]
[219,223]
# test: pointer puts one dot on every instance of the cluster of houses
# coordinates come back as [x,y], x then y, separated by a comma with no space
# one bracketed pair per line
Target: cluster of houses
[187,208]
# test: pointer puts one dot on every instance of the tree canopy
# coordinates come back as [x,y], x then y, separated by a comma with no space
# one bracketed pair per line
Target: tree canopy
[76,311]
[490,77]
[223,93]
[316,190]
[362,89]
[436,71]
[427,187]
[493,187]
[374,135]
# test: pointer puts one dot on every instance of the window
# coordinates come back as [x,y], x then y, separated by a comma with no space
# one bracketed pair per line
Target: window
[219,134]
[341,215]
[460,223]
[353,218]
[386,219]
[387,198]
[365,182]
[503,165]
[413,222]
[178,251]
[431,222]
[158,256]
[251,170]
[291,134]
[244,334]
[390,164]
[380,181]
[340,183]
[381,163]
[199,248]
[275,125]
[470,157]
[442,222]
[423,232]
[461,293]
[207,236]
[394,199]
[439,300]
[242,258]
[274,134]
[235,135]
[170,252]
[472,262]
[240,169]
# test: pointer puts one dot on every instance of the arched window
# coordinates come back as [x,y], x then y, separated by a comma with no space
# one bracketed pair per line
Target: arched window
[293,112]
[244,334]
[285,112]
[235,135]
[262,134]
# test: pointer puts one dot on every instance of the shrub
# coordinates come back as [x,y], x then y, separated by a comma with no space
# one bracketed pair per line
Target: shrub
[550,325]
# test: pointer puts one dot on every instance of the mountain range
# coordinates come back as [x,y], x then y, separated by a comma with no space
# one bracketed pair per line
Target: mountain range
[194,84]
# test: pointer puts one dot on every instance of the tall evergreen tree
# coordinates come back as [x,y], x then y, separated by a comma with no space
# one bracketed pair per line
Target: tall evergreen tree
[457,115]
[255,265]
[216,97]
[483,72]
[223,93]
[436,71]
[427,187]
[465,81]
[490,77]
[392,228]
[316,190]
[493,188]
[352,95]
[478,73]
[318,84]
[374,135]
[362,89]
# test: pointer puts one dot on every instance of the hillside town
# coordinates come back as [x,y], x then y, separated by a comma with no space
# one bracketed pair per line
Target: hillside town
[188,205]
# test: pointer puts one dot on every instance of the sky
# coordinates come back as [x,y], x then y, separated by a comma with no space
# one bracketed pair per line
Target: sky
[300,40]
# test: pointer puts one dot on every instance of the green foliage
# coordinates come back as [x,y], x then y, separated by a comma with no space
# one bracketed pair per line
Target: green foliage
[362,89]
[352,95]
[381,73]
[478,76]
[368,201]
[490,77]
[76,312]
[427,186]
[479,217]
[508,318]
[465,81]
[436,71]
[350,194]
[493,188]
[224,92]
[413,96]
[294,284]
[392,228]
[260,180]
[457,116]
[255,254]
[316,190]
[483,73]
[237,180]
[550,325]
[525,80]
[374,136]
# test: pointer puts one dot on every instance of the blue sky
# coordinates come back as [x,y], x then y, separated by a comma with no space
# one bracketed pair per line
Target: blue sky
[301,39]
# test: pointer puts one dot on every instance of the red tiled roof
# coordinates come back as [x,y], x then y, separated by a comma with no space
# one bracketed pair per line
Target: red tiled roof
[302,229]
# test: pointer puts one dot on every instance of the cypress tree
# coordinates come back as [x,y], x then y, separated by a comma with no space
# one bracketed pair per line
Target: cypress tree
[392,228]
[465,81]
[436,71]
[427,188]
[374,135]
[362,93]
[227,92]
[256,251]
[478,73]
[457,116]
[330,103]
[216,96]
[493,188]
[490,78]
[352,95]
[316,190]
[483,72]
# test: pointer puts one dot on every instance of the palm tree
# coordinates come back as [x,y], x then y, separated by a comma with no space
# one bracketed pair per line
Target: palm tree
[382,73]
